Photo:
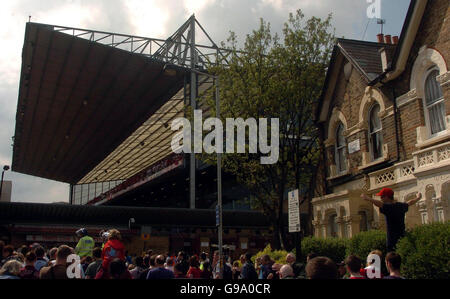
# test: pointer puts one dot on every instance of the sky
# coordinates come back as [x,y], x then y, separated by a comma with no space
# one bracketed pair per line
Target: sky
[156,19]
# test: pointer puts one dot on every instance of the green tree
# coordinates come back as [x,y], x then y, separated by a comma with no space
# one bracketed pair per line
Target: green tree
[269,78]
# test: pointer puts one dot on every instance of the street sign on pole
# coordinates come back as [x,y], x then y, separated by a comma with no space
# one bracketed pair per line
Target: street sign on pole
[294,212]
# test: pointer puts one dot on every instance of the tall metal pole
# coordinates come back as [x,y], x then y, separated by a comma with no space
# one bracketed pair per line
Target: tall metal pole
[219,186]
[1,185]
[193,93]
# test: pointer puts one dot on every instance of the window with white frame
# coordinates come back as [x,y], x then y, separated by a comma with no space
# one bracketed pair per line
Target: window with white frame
[434,103]
[375,133]
[341,160]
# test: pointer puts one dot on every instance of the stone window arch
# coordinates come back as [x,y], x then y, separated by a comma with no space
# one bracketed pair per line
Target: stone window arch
[433,102]
[340,149]
[375,133]
[372,96]
[428,74]
[442,205]
[336,144]
[373,99]
[427,58]
[364,224]
[337,118]
[333,228]
[344,228]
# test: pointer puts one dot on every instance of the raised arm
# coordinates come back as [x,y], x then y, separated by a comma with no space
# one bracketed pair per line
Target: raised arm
[415,200]
[375,202]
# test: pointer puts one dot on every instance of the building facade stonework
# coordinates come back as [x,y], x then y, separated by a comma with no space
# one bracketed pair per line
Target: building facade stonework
[383,125]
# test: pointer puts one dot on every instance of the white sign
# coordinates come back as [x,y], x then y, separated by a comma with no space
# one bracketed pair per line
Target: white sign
[294,212]
[354,147]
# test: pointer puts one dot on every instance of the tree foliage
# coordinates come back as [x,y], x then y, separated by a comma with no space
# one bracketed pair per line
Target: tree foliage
[425,252]
[273,77]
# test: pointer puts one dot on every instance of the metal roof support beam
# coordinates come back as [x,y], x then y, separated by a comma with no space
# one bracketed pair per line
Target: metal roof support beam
[193,94]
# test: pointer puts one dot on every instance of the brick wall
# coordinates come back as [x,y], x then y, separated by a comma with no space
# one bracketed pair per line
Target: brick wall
[434,32]
[347,99]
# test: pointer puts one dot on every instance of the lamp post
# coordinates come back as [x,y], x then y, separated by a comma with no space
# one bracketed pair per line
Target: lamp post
[168,69]
[219,176]
[5,168]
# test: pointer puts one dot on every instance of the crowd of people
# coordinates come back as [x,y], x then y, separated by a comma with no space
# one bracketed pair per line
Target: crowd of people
[111,261]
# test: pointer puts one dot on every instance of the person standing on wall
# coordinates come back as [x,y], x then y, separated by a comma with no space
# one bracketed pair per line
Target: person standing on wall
[394,213]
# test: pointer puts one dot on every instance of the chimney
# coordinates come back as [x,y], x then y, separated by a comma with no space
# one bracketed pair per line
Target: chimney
[380,37]
[387,39]
[384,62]
[395,40]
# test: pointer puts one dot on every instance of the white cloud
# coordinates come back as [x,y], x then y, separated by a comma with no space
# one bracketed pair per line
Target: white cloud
[147,18]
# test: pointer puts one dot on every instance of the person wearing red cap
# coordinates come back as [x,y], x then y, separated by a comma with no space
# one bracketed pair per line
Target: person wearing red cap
[394,213]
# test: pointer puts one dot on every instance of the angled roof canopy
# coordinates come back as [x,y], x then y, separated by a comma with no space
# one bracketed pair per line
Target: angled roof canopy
[97,106]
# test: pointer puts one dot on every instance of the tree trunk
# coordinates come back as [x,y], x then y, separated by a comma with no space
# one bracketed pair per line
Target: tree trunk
[280,226]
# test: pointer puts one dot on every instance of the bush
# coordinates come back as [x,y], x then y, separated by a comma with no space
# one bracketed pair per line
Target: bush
[279,256]
[333,248]
[365,242]
[425,252]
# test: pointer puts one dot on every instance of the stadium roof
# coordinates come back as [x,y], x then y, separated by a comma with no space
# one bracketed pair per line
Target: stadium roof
[96,106]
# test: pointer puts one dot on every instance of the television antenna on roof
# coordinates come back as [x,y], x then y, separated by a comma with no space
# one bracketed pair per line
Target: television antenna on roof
[381,22]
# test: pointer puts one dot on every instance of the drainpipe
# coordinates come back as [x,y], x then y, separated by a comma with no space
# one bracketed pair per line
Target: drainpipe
[397,138]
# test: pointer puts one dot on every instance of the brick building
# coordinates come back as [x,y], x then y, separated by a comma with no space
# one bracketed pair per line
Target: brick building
[384,118]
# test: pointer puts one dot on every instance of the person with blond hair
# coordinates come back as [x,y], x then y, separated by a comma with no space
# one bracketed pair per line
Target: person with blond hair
[371,268]
[286,272]
[113,249]
[10,270]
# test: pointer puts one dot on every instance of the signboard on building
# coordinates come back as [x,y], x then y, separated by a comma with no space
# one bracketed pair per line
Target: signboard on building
[354,147]
[294,212]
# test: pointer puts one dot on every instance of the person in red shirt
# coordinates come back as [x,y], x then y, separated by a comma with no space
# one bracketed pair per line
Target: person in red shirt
[194,270]
[113,249]
[354,267]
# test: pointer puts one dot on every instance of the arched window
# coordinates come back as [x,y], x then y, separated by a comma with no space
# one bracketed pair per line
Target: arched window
[434,103]
[375,133]
[341,161]
[332,226]
[364,221]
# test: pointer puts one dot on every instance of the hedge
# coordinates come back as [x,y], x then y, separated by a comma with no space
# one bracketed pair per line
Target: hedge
[333,248]
[279,256]
[365,242]
[425,252]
